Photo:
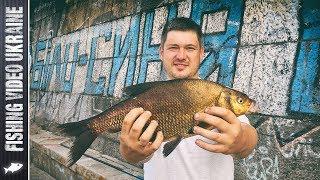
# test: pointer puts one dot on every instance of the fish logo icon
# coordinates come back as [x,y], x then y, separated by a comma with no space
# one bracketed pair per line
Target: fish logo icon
[13,167]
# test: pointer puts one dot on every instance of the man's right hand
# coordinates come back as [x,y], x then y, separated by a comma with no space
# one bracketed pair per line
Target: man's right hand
[135,145]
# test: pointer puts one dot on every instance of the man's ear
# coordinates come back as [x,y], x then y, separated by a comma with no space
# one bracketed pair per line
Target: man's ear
[161,52]
[201,53]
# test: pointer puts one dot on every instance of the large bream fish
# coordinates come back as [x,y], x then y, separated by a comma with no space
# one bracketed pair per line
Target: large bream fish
[172,104]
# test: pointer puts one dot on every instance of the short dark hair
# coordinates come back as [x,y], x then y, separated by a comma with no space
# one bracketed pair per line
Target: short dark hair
[181,24]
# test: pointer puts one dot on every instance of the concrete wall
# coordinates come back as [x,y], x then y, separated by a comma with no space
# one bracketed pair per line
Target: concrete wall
[83,52]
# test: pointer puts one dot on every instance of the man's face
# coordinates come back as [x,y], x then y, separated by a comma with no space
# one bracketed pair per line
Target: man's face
[181,54]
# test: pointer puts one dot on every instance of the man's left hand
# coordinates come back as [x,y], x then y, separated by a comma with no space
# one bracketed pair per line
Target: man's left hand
[231,136]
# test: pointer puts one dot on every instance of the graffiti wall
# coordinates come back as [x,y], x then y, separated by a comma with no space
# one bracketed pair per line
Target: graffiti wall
[83,53]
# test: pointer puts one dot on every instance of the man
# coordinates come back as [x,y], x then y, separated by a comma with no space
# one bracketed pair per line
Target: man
[204,156]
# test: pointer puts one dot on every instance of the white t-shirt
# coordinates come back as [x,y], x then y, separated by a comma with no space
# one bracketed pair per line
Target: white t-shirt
[189,161]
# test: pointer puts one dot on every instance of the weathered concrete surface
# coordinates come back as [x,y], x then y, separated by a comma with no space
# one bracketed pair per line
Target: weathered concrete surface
[38,174]
[48,153]
[267,76]
[279,155]
[270,22]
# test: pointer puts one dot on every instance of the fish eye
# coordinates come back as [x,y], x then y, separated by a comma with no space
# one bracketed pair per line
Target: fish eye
[240,100]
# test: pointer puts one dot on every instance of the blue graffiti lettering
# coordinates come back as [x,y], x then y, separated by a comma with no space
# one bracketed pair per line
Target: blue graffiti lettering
[305,88]
[67,84]
[47,70]
[37,66]
[222,47]
[90,86]
[121,51]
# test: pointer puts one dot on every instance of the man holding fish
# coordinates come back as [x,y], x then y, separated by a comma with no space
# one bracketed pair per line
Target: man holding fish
[185,127]
[220,134]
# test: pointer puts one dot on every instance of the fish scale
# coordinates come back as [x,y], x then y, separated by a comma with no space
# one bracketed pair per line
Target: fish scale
[168,120]
[172,104]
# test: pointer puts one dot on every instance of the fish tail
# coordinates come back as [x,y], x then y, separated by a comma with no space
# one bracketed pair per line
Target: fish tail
[84,138]
[6,170]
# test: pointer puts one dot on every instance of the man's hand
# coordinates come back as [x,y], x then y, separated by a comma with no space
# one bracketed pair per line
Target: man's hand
[134,144]
[233,137]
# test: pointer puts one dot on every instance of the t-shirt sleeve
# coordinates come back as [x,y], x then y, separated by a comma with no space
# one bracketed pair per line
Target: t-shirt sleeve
[244,119]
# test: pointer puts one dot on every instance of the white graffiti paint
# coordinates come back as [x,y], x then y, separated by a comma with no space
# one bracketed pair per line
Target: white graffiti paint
[303,148]
[267,167]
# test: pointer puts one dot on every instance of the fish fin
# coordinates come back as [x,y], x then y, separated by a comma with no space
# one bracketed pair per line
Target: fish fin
[154,135]
[113,130]
[84,138]
[80,145]
[170,146]
[140,88]
[74,128]
[190,131]
[153,138]
[204,125]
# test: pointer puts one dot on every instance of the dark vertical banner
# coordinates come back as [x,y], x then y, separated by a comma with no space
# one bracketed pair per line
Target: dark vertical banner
[14,89]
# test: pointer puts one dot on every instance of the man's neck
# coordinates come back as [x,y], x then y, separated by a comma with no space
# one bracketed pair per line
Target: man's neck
[193,77]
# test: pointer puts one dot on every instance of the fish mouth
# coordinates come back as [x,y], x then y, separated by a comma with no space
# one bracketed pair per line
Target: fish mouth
[254,108]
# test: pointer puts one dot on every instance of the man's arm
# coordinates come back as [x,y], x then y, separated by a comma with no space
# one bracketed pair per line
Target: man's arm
[233,137]
[250,138]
